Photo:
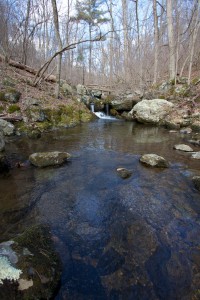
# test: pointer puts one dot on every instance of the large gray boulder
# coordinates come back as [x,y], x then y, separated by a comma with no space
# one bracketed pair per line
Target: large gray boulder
[7,127]
[2,142]
[67,88]
[123,104]
[81,89]
[154,160]
[151,111]
[96,93]
[45,159]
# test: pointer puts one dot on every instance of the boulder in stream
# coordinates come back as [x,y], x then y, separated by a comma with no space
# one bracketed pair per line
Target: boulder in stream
[124,173]
[151,111]
[45,159]
[183,147]
[154,160]
[196,155]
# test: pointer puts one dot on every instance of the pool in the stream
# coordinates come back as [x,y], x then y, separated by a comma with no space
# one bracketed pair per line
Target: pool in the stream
[137,238]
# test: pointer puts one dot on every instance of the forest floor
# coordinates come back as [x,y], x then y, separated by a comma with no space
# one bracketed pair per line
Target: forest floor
[21,81]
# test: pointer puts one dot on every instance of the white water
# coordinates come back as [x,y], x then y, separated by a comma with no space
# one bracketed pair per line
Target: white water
[102,115]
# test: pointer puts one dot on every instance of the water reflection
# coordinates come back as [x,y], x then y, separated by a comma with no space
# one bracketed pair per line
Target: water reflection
[118,239]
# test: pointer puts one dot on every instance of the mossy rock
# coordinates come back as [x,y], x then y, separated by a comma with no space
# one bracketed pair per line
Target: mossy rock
[196,126]
[12,95]
[34,134]
[109,98]
[114,112]
[7,81]
[13,108]
[87,117]
[39,263]
[42,126]
[35,114]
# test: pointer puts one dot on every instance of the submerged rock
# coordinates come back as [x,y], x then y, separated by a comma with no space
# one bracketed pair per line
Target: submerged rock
[15,278]
[124,173]
[154,160]
[7,271]
[45,159]
[196,181]
[151,111]
[109,262]
[183,147]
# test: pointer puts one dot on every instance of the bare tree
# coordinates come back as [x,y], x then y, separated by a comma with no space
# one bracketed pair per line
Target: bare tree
[193,39]
[156,42]
[59,41]
[172,60]
[125,34]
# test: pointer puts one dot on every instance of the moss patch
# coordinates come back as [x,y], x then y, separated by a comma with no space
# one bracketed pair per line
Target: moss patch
[13,108]
[2,96]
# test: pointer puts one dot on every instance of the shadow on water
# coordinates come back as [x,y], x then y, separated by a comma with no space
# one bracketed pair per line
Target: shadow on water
[118,239]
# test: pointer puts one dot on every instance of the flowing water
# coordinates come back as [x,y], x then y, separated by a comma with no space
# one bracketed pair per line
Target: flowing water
[137,238]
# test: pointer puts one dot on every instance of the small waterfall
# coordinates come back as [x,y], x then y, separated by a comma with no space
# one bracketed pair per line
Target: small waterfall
[107,109]
[102,115]
[92,107]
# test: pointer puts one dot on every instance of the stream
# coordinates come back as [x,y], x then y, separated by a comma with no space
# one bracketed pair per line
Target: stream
[137,238]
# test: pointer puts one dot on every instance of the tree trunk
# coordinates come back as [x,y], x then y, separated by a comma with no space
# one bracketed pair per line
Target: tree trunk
[25,39]
[156,42]
[111,46]
[90,52]
[172,54]
[125,33]
[58,38]
[194,37]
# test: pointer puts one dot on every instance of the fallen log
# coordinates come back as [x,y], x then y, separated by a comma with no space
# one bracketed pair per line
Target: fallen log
[18,65]
[11,118]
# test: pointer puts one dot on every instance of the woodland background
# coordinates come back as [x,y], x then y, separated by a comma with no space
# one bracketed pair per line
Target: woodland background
[132,43]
